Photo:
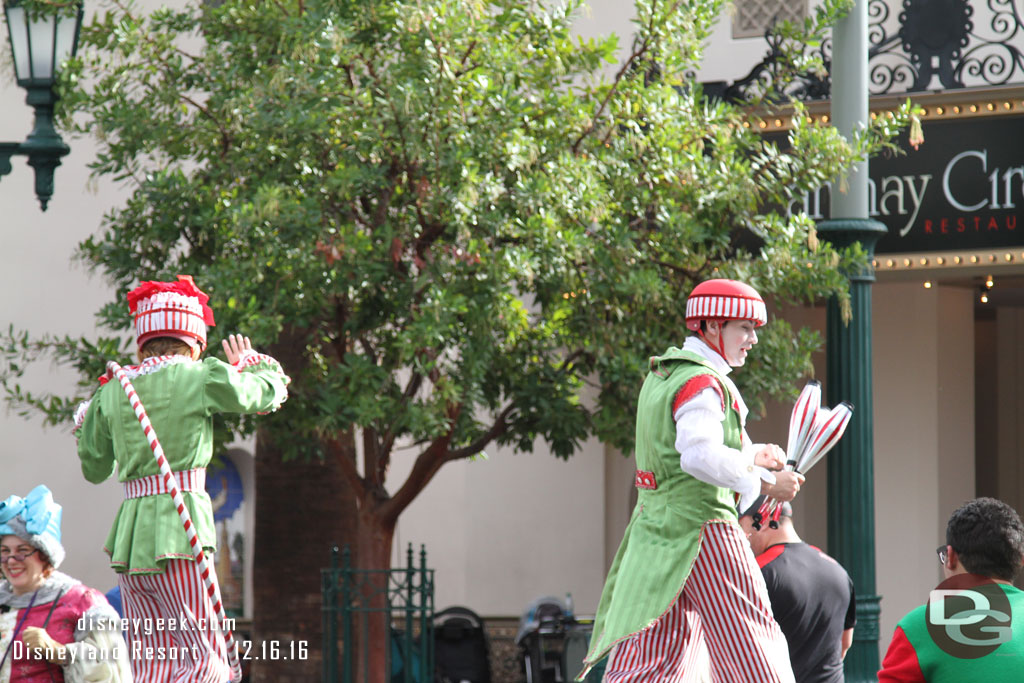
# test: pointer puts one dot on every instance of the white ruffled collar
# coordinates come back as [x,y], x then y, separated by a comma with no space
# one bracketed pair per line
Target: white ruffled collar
[714,358]
[702,349]
[151,365]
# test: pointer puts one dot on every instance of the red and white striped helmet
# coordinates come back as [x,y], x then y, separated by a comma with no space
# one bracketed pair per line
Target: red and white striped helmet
[722,299]
[171,309]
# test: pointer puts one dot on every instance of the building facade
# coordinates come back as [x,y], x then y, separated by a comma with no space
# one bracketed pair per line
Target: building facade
[948,367]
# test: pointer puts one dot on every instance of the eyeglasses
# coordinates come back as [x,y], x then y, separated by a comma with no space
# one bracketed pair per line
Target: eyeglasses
[19,557]
[941,552]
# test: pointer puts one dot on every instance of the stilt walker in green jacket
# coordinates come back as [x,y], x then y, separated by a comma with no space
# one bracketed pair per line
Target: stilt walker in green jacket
[684,599]
[160,578]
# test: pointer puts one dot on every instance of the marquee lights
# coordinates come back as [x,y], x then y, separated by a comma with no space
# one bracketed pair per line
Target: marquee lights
[996,105]
[931,261]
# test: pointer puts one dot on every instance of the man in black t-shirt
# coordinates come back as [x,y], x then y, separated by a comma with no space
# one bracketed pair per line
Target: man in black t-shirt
[811,596]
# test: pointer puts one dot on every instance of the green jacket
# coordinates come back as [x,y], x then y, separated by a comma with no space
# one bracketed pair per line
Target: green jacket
[663,536]
[180,397]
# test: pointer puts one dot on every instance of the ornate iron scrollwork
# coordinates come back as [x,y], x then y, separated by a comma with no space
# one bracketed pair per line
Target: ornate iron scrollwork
[997,60]
[933,32]
[763,79]
[929,40]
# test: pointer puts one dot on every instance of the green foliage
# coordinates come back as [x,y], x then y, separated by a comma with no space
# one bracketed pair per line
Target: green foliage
[449,221]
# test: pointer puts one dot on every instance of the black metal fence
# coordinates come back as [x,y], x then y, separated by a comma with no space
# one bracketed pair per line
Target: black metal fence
[356,601]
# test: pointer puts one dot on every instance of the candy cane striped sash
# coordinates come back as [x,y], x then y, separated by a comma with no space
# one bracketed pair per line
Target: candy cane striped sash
[153,485]
[169,480]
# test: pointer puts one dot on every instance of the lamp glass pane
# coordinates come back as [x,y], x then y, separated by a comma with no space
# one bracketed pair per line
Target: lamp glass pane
[40,36]
[66,26]
[19,40]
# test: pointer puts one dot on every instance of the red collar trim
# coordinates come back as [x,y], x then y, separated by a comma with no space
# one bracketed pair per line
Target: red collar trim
[768,555]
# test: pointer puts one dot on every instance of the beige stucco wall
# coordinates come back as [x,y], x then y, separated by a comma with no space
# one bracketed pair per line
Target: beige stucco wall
[923,346]
[43,292]
[1009,405]
[503,531]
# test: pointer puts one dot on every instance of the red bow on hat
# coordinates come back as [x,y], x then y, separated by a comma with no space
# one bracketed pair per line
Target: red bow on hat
[184,286]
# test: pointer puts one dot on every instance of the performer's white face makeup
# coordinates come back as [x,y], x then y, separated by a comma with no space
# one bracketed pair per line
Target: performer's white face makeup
[27,574]
[734,337]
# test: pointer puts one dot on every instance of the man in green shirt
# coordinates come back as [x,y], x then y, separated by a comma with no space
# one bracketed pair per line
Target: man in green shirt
[972,628]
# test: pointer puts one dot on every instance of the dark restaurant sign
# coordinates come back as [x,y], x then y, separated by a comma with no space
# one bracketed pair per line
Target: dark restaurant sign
[963,189]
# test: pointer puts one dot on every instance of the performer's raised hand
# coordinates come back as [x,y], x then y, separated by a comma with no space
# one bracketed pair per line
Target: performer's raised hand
[787,485]
[770,457]
[234,346]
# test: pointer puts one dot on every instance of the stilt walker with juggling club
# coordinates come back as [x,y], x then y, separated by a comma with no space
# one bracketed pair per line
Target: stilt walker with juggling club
[684,599]
[164,529]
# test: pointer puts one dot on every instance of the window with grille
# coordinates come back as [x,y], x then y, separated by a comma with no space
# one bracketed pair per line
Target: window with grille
[753,17]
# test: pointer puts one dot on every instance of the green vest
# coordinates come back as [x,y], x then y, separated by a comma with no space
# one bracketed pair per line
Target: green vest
[1003,665]
[663,536]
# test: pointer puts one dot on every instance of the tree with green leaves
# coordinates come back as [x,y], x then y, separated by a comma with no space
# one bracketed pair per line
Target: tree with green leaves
[446,219]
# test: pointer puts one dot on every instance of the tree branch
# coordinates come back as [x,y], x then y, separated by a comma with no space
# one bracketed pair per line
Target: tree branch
[499,427]
[465,56]
[374,470]
[388,439]
[368,349]
[347,465]
[645,45]
[225,137]
[340,343]
[427,465]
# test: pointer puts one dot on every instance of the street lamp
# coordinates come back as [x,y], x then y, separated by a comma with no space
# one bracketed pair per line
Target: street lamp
[43,34]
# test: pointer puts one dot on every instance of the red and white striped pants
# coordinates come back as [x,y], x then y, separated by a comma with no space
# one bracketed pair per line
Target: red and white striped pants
[720,629]
[171,627]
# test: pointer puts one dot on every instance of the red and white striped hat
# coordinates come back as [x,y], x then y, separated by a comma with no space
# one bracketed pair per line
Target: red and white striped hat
[722,299]
[171,309]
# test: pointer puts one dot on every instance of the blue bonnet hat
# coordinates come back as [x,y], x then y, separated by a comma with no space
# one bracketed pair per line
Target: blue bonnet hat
[36,520]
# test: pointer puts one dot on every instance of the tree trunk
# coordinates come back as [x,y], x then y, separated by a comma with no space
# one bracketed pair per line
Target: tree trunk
[302,509]
[373,551]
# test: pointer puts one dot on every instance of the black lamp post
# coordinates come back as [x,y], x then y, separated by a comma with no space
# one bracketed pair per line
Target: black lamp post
[43,35]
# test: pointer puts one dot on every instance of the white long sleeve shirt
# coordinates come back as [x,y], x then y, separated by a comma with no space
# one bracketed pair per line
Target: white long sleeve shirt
[700,439]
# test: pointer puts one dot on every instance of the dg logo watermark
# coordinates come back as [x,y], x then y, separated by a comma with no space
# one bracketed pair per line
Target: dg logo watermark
[968,616]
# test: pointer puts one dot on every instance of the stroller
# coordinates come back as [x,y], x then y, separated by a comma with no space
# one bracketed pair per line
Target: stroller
[553,642]
[460,647]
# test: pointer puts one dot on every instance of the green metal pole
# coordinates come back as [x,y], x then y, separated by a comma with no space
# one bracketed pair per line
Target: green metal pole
[426,592]
[410,596]
[347,654]
[851,498]
[330,619]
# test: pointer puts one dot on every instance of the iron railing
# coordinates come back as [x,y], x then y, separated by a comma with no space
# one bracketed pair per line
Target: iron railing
[914,46]
[352,599]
